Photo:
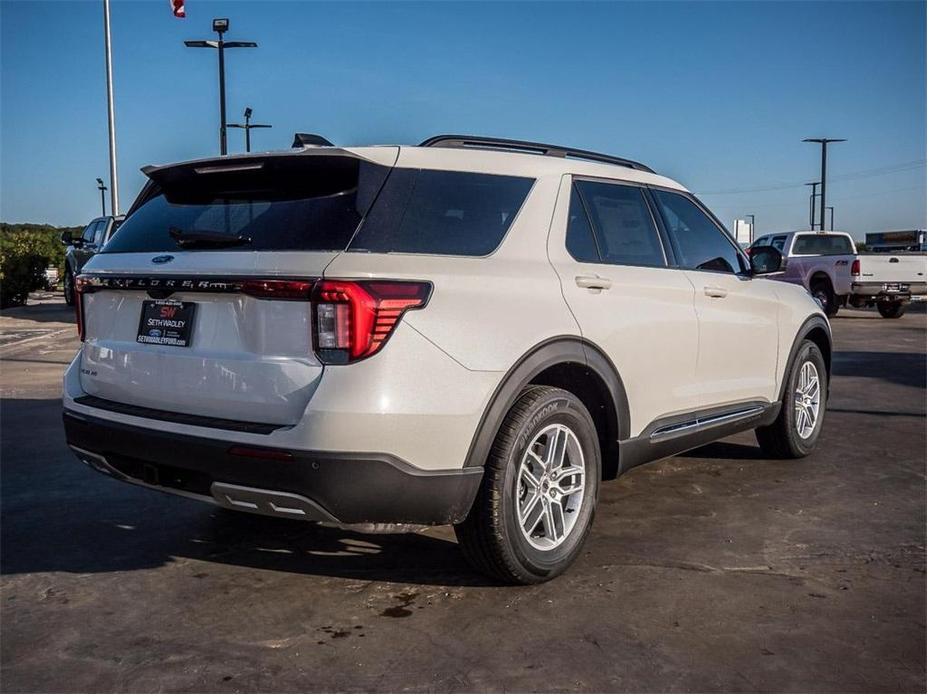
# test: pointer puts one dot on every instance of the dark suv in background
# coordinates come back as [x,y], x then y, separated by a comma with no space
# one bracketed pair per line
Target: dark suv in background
[82,248]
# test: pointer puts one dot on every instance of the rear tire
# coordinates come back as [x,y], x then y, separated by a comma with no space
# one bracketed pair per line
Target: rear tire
[891,309]
[796,429]
[68,287]
[824,295]
[526,526]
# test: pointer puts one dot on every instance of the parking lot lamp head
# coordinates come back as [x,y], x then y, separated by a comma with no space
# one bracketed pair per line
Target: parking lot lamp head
[220,26]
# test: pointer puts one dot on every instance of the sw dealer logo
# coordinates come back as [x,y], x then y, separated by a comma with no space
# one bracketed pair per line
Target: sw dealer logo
[168,311]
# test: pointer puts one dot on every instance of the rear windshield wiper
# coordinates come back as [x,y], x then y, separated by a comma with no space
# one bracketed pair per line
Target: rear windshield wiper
[208,239]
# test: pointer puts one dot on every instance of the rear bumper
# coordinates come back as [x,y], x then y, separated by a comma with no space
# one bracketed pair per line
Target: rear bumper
[876,290]
[322,486]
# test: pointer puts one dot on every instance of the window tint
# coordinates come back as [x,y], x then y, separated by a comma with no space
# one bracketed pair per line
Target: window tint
[623,225]
[442,213]
[764,241]
[778,243]
[306,203]
[699,243]
[580,242]
[820,244]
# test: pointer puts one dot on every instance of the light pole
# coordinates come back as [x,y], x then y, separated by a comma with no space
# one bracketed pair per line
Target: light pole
[102,188]
[247,127]
[823,141]
[110,109]
[814,193]
[220,26]
[752,226]
[830,207]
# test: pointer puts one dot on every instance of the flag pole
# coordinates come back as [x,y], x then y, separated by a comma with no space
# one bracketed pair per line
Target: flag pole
[111,113]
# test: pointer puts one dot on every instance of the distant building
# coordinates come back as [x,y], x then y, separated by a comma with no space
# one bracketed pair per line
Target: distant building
[914,240]
[743,232]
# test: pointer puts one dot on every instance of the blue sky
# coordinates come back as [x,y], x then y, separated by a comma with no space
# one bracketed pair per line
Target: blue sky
[716,95]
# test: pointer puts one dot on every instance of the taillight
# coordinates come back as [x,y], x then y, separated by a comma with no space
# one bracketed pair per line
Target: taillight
[854,268]
[294,290]
[80,284]
[353,320]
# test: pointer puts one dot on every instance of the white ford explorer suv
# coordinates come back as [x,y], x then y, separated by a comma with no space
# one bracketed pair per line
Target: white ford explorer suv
[473,331]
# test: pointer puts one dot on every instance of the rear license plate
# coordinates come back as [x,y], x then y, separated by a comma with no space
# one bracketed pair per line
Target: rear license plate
[894,287]
[166,322]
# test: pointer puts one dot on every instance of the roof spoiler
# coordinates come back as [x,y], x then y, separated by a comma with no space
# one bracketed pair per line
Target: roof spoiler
[311,140]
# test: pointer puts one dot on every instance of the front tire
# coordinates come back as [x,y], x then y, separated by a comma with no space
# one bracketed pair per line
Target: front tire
[539,490]
[891,309]
[795,431]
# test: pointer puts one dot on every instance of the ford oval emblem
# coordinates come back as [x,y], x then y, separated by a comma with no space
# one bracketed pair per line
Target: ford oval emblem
[161,259]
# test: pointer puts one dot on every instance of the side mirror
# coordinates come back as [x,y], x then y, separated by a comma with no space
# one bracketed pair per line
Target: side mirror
[66,238]
[765,260]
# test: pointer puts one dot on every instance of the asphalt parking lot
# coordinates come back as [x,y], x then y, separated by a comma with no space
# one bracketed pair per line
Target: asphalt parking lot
[717,570]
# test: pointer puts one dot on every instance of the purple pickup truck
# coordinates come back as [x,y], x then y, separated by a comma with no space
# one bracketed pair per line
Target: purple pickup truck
[821,261]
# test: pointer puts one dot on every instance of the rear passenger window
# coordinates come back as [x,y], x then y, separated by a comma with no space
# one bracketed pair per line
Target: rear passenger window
[623,225]
[699,243]
[442,213]
[580,241]
[778,243]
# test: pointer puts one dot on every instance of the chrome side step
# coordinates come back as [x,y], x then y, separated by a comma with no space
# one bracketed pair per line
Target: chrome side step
[671,431]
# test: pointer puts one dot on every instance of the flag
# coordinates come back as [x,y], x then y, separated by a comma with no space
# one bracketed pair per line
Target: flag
[178,9]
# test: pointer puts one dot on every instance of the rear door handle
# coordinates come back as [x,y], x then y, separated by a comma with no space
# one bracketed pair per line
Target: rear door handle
[715,292]
[593,282]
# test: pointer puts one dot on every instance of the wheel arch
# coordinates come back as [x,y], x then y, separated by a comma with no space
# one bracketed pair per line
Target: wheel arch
[576,365]
[819,275]
[817,329]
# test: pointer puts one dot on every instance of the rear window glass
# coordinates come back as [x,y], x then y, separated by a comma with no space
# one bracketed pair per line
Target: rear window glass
[820,244]
[285,204]
[442,213]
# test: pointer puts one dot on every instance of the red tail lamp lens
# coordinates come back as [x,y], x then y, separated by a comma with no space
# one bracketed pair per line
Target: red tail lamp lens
[81,286]
[854,268]
[294,290]
[353,320]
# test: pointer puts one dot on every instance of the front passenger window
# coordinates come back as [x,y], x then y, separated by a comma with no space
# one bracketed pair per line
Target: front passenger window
[699,243]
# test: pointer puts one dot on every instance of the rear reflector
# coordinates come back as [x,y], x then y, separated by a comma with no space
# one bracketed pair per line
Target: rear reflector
[353,320]
[261,453]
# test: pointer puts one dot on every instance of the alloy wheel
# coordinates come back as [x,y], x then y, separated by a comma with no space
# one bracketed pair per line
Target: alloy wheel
[807,400]
[550,485]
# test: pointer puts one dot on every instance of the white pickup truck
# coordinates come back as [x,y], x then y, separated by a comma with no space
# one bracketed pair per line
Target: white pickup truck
[889,281]
[826,264]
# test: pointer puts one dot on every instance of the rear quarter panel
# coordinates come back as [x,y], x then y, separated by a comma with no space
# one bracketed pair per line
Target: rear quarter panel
[484,312]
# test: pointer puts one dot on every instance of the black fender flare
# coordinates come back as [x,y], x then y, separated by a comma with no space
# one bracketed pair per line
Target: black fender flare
[556,350]
[812,323]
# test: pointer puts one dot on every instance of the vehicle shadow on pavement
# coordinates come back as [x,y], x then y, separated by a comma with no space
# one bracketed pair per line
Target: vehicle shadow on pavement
[899,368]
[41,313]
[57,514]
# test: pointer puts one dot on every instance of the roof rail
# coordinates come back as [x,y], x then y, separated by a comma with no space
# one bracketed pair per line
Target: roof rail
[478,142]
